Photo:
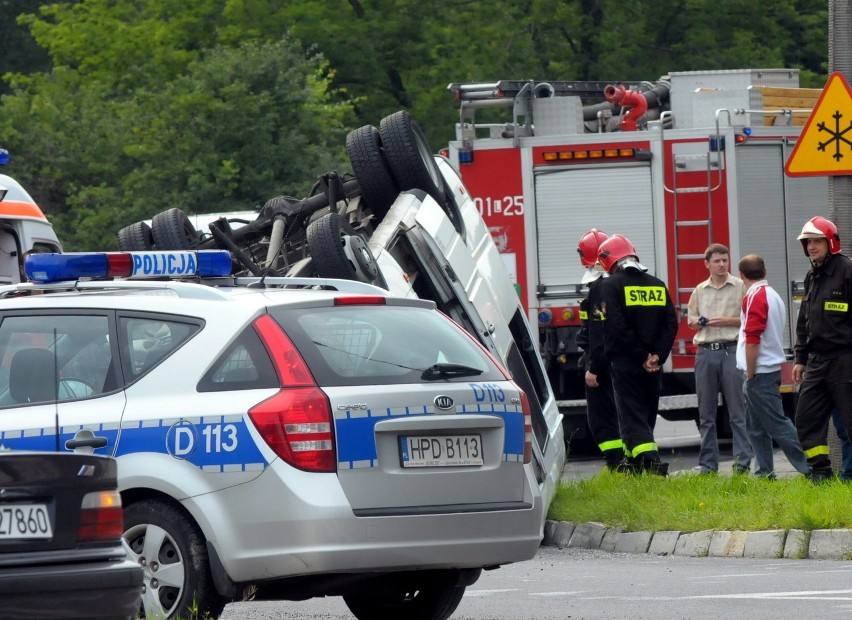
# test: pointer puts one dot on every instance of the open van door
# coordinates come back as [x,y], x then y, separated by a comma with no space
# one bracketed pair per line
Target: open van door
[23,229]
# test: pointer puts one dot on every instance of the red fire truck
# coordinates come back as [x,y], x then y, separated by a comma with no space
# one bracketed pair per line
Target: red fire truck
[693,158]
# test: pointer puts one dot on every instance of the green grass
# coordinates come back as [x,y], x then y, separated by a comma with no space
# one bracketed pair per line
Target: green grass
[691,503]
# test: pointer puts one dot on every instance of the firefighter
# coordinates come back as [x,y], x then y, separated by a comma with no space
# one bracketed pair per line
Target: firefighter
[823,347]
[640,328]
[600,402]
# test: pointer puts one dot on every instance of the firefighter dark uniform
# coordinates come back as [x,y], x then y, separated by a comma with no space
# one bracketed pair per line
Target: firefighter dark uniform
[641,323]
[600,402]
[824,347]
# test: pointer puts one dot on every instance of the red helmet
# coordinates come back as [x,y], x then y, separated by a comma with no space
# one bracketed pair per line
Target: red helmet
[820,228]
[588,246]
[613,250]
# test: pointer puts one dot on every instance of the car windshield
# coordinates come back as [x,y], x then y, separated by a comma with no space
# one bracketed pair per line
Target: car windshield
[355,345]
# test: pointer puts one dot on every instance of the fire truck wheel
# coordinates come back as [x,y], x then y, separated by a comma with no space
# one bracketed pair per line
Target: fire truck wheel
[172,230]
[377,183]
[135,238]
[338,252]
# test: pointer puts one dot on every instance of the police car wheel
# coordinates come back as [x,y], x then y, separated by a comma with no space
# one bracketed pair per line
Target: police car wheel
[337,252]
[375,179]
[177,582]
[173,230]
[413,163]
[433,600]
[135,238]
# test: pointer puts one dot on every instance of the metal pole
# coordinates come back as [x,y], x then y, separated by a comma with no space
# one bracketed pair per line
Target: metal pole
[840,187]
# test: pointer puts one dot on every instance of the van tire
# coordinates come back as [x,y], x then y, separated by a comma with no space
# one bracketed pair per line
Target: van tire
[378,186]
[135,238]
[173,230]
[412,162]
[337,252]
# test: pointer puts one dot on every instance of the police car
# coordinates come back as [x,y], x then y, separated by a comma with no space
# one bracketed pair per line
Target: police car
[308,436]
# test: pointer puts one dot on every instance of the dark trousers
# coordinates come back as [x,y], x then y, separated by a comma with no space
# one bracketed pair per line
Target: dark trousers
[603,416]
[827,384]
[637,397]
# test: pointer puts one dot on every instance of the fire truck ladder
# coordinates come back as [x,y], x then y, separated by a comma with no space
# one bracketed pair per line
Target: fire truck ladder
[710,161]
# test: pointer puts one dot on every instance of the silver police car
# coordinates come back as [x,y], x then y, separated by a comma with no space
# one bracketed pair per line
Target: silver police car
[307,437]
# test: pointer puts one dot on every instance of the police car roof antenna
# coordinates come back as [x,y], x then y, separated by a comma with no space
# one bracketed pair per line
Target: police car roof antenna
[56,388]
[261,283]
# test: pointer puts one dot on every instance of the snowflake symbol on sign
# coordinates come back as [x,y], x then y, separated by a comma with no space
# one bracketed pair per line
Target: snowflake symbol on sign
[837,135]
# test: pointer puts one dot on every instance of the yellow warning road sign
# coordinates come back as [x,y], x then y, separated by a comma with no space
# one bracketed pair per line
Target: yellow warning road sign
[825,145]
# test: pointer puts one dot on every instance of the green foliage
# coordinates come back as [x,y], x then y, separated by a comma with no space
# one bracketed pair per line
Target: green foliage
[237,126]
[692,503]
[127,108]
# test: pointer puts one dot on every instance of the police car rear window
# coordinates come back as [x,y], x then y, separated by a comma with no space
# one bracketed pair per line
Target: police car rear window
[374,345]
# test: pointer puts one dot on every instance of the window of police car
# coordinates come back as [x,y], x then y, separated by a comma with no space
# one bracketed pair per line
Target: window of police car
[77,350]
[149,340]
[73,348]
[245,365]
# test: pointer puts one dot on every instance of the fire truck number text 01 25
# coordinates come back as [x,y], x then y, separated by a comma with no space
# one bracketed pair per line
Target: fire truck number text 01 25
[507,206]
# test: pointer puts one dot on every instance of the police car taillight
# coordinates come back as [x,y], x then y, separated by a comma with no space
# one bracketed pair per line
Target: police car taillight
[528,429]
[77,265]
[296,422]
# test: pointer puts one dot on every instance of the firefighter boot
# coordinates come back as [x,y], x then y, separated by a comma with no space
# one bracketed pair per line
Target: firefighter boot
[820,469]
[650,462]
[613,458]
[626,465]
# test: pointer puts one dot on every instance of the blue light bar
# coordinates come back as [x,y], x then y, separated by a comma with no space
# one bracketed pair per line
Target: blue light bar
[205,264]
[175,265]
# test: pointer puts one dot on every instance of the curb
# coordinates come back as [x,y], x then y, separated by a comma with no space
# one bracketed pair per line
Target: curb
[790,544]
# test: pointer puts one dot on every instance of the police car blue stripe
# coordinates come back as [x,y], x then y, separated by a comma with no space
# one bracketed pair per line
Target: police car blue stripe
[355,430]
[213,443]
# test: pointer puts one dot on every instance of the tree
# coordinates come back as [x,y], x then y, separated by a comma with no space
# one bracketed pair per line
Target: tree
[19,53]
[101,148]
[218,104]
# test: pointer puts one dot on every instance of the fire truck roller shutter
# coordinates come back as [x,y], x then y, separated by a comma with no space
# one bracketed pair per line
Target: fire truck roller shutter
[569,202]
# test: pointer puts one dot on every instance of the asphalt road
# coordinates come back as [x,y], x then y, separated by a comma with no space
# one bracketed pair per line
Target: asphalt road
[582,584]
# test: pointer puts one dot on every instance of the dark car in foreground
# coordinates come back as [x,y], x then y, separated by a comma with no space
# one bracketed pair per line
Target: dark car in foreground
[61,554]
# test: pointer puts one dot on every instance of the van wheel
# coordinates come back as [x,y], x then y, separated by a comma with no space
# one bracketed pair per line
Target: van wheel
[412,162]
[135,238]
[433,600]
[338,252]
[378,186]
[172,230]
[177,580]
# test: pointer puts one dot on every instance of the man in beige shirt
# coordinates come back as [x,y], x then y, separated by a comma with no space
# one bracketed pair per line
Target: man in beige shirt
[714,311]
